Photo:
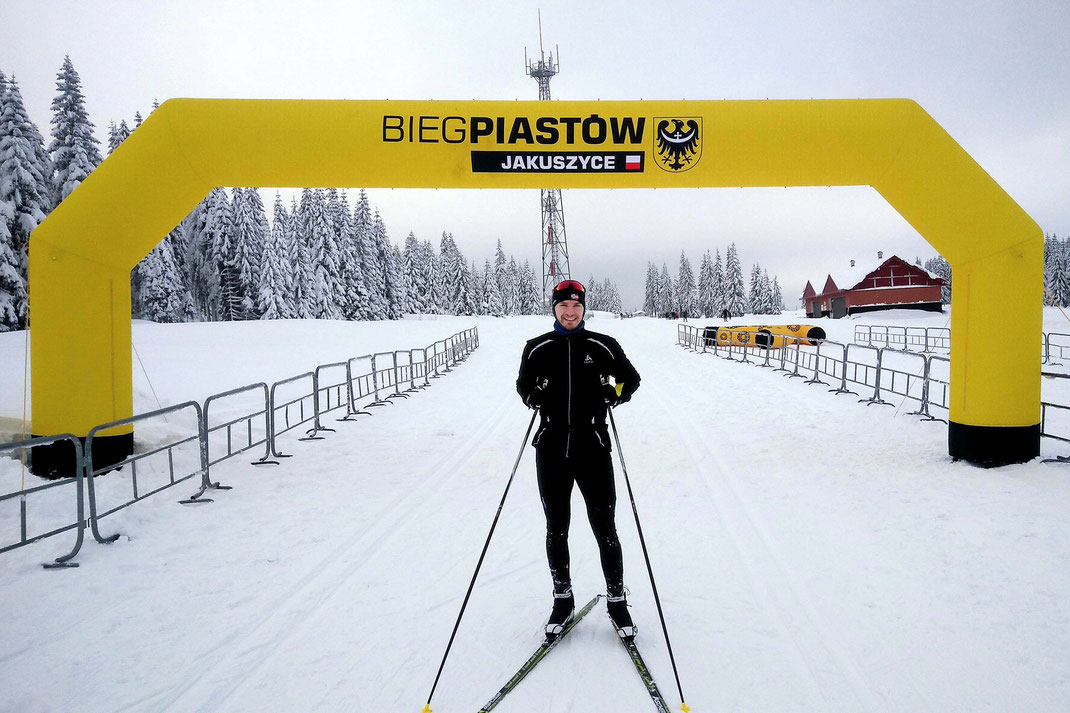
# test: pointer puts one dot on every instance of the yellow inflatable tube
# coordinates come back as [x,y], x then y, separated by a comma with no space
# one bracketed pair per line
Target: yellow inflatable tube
[764,336]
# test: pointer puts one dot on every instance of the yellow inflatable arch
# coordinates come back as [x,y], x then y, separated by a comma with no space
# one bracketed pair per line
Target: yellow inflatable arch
[82,255]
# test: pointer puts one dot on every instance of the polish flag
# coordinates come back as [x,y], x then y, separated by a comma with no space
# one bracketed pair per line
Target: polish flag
[632,162]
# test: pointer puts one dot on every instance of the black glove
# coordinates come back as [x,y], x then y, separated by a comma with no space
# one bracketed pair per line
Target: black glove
[536,396]
[609,393]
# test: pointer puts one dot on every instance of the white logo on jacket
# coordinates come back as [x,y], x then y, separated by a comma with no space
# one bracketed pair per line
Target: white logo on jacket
[588,360]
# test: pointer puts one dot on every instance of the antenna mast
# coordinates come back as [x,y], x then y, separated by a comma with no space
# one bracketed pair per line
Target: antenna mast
[554,246]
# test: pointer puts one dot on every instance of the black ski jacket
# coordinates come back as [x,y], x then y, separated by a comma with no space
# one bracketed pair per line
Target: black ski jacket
[571,369]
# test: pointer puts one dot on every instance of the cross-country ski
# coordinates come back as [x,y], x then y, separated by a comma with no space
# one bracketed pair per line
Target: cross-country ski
[544,648]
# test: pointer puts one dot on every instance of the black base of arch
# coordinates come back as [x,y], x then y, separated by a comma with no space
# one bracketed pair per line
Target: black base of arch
[56,460]
[993,446]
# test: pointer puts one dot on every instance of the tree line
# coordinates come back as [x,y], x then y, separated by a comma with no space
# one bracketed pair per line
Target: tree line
[316,259]
[719,289]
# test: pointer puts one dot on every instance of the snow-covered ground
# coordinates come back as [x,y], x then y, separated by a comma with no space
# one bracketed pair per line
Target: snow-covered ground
[812,553]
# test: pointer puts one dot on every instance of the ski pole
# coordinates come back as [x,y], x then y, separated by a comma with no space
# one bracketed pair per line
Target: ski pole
[486,545]
[646,556]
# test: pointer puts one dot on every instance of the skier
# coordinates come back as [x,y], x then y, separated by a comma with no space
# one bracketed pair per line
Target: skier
[565,374]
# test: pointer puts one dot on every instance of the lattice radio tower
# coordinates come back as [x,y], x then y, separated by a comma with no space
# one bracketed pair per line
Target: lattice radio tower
[554,246]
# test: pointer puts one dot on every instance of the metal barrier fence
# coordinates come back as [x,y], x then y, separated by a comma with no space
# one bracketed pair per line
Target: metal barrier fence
[1055,345]
[925,339]
[41,492]
[257,416]
[921,377]
[1056,348]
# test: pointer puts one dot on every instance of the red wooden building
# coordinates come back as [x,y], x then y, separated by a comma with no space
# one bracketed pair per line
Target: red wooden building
[893,284]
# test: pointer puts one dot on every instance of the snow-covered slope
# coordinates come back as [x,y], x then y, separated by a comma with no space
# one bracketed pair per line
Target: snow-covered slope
[812,554]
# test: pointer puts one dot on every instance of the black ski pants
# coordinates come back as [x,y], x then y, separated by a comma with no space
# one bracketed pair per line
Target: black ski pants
[592,470]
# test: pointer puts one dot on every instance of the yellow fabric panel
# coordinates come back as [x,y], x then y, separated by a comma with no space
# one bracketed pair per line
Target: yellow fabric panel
[80,257]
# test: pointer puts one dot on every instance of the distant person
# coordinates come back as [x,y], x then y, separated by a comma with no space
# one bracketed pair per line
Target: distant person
[725,315]
[565,374]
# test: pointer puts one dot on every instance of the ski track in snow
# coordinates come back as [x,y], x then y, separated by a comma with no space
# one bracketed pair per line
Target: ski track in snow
[815,645]
[812,556]
[237,661]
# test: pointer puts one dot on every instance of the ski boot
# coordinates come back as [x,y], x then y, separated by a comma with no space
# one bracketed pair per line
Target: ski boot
[617,607]
[564,606]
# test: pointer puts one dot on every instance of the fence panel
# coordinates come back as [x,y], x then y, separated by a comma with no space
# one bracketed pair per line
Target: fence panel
[44,509]
[923,339]
[1056,349]
[165,453]
[246,423]
[292,404]
[903,373]
[332,384]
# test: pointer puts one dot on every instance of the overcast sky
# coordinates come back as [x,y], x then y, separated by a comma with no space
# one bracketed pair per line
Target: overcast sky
[995,75]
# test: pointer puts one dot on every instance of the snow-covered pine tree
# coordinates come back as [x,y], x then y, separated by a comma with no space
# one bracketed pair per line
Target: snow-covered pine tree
[249,230]
[778,297]
[611,297]
[414,277]
[492,297]
[1062,271]
[302,258]
[24,200]
[511,296]
[73,148]
[117,133]
[374,280]
[451,271]
[1051,260]
[766,290]
[467,293]
[501,274]
[706,297]
[393,300]
[341,221]
[276,270]
[209,227]
[162,294]
[224,251]
[255,250]
[428,266]
[685,287]
[354,297]
[594,297]
[754,294]
[396,284]
[113,137]
[720,299]
[323,256]
[12,284]
[939,267]
[530,298]
[650,295]
[457,297]
[666,292]
[477,288]
[735,292]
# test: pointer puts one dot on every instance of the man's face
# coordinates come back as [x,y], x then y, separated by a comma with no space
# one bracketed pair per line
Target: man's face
[569,313]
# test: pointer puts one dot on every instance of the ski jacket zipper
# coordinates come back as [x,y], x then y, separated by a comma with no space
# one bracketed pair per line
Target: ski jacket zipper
[568,411]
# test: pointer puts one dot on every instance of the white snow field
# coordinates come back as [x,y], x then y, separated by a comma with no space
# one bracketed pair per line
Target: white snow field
[812,553]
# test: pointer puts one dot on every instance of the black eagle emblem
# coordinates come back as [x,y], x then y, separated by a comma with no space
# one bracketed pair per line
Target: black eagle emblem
[677,143]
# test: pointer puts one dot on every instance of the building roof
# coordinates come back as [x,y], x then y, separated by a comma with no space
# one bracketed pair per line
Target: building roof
[850,278]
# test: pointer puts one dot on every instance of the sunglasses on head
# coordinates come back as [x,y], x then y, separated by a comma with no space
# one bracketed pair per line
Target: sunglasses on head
[571,285]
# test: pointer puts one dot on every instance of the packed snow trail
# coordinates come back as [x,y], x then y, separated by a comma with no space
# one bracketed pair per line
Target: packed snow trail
[811,555]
